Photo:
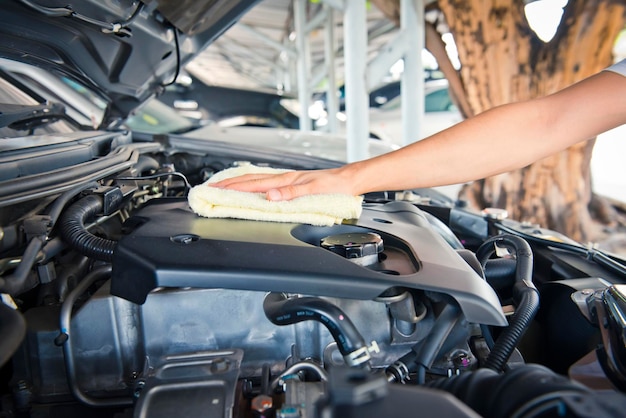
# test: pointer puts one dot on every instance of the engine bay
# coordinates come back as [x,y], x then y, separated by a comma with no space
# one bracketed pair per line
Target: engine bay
[118,301]
[129,304]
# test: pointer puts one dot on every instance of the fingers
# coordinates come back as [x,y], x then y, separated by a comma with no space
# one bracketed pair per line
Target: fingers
[287,186]
[250,183]
[239,179]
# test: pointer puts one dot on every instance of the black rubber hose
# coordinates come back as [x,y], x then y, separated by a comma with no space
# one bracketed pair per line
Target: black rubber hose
[518,392]
[422,355]
[430,347]
[525,296]
[282,310]
[16,282]
[507,341]
[501,273]
[59,204]
[12,329]
[74,231]
[523,253]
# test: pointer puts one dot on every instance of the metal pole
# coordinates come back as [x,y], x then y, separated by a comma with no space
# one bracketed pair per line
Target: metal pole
[412,83]
[357,103]
[329,56]
[304,65]
[291,70]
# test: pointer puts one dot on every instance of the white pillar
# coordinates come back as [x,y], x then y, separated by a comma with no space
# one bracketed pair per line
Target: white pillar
[329,57]
[357,103]
[412,84]
[303,63]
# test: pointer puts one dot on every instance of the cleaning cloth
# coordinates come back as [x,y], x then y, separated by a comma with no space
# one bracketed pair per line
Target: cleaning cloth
[319,209]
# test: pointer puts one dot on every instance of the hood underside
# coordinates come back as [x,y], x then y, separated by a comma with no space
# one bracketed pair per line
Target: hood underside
[124,50]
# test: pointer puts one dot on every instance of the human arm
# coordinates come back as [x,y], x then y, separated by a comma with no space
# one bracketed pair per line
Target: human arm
[499,140]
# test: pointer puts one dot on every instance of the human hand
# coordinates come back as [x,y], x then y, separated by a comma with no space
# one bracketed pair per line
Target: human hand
[287,186]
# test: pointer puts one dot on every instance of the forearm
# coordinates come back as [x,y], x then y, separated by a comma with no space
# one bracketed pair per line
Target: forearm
[476,148]
[499,140]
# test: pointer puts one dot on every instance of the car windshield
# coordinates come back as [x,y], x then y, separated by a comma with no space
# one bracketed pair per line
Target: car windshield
[155,117]
[438,100]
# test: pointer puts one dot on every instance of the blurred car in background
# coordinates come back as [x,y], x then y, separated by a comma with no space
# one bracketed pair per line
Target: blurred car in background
[155,117]
[385,112]
[440,113]
[229,106]
[379,95]
[243,120]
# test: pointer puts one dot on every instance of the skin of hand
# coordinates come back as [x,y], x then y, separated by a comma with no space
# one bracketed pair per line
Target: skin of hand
[502,139]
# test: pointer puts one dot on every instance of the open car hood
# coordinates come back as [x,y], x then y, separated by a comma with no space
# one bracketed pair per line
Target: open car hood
[124,50]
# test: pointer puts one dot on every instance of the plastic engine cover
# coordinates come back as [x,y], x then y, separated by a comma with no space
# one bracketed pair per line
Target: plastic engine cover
[167,245]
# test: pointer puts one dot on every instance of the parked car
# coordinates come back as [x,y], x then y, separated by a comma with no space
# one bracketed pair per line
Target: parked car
[156,117]
[440,113]
[117,300]
[381,94]
[385,112]
[229,105]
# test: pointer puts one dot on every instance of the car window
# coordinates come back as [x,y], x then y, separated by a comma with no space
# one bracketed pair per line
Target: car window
[439,101]
[92,97]
[155,117]
[384,94]
[392,104]
[435,101]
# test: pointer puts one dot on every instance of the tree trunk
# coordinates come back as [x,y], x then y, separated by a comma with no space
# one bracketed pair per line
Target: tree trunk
[504,61]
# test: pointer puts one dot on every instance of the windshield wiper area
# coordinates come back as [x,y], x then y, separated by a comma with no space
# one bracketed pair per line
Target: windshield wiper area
[26,117]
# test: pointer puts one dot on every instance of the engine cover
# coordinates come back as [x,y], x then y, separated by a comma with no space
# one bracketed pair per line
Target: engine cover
[167,245]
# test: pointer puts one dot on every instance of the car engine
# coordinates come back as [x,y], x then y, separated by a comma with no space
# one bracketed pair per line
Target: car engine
[129,304]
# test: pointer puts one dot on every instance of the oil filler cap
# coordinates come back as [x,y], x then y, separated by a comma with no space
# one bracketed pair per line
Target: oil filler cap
[360,248]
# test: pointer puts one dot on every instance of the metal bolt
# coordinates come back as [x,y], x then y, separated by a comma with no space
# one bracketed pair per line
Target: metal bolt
[138,388]
[461,360]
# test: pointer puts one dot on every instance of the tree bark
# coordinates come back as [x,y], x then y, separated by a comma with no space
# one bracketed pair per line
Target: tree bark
[504,61]
[437,47]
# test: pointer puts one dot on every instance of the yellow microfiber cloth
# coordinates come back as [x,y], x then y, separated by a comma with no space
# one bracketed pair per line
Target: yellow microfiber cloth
[319,209]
